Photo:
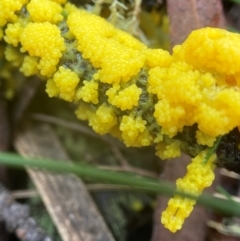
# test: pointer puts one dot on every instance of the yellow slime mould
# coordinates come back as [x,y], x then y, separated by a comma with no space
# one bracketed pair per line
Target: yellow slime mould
[142,96]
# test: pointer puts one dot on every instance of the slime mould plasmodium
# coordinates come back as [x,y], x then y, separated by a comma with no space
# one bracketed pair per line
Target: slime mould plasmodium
[179,102]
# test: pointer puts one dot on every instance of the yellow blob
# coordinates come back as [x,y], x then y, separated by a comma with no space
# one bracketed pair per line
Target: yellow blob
[203,139]
[133,131]
[1,33]
[66,82]
[157,57]
[8,9]
[211,49]
[29,66]
[45,10]
[88,92]
[51,89]
[103,120]
[69,8]
[118,55]
[167,151]
[84,111]
[12,55]
[60,1]
[13,33]
[124,99]
[43,40]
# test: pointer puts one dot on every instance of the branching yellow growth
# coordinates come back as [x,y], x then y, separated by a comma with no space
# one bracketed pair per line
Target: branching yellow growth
[199,176]
[142,96]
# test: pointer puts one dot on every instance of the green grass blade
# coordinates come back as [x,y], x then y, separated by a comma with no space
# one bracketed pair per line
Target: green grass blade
[135,181]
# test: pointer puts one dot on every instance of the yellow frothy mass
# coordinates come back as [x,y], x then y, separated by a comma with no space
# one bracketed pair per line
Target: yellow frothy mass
[117,55]
[116,79]
[209,49]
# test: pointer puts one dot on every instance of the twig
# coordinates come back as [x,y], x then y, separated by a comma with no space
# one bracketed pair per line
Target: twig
[119,156]
[24,194]
[17,219]
[76,127]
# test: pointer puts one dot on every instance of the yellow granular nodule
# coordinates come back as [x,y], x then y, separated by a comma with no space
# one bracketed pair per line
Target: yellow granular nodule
[170,117]
[167,151]
[43,40]
[203,139]
[118,55]
[60,1]
[103,120]
[88,92]
[66,81]
[199,176]
[8,9]
[84,111]
[29,66]
[13,33]
[124,99]
[157,57]
[211,49]
[51,88]
[13,56]
[187,96]
[1,33]
[45,10]
[69,8]
[131,129]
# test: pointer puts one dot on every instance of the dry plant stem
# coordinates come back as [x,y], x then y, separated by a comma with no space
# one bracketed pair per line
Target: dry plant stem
[21,194]
[120,157]
[4,138]
[4,145]
[23,99]
[65,196]
[4,126]
[17,219]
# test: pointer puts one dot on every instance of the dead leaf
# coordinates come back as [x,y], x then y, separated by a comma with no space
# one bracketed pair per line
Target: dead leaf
[187,15]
